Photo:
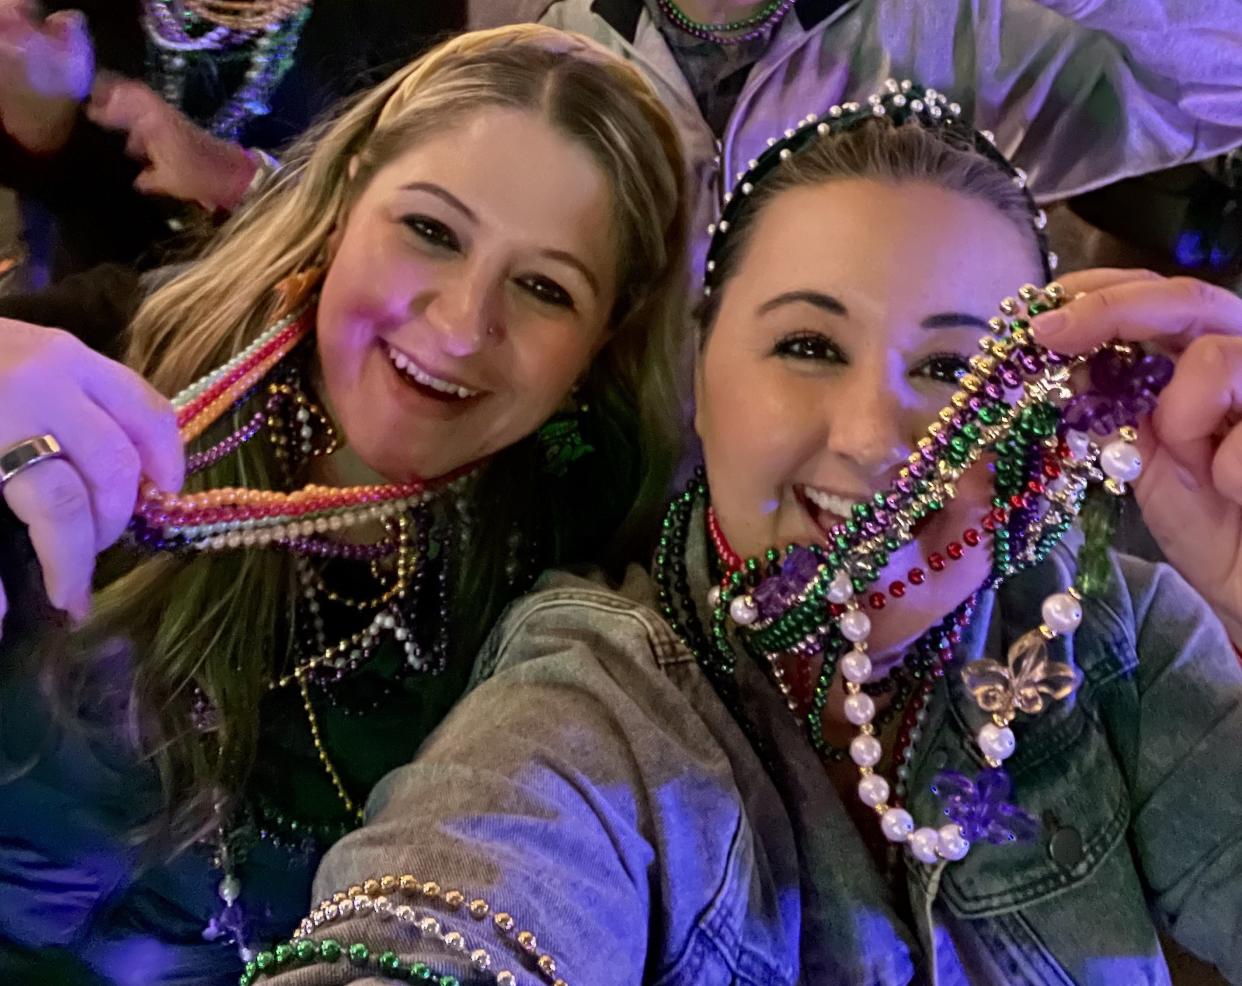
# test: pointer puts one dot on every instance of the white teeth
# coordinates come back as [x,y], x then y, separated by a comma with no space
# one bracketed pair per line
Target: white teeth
[838,505]
[412,370]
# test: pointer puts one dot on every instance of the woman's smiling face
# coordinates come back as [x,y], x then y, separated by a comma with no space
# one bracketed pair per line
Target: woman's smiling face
[471,287]
[838,337]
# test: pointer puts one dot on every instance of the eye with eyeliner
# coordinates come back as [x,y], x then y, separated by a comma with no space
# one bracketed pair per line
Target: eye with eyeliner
[808,346]
[546,290]
[944,367]
[432,231]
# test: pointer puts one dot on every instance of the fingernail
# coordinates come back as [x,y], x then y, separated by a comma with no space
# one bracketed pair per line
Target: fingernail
[1049,324]
[1187,479]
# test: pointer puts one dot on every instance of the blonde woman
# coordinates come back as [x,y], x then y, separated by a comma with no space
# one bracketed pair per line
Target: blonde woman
[368,359]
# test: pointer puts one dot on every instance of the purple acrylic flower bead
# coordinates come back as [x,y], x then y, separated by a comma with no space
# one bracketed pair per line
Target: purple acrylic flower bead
[800,566]
[1123,389]
[981,807]
[773,596]
[777,593]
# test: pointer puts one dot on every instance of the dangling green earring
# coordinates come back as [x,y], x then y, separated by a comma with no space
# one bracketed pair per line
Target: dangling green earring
[562,442]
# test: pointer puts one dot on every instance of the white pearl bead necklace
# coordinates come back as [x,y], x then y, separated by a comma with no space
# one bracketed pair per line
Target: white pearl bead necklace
[1062,613]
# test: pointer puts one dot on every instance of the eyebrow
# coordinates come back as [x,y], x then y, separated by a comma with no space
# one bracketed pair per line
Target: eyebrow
[565,257]
[817,298]
[954,320]
[446,196]
[827,303]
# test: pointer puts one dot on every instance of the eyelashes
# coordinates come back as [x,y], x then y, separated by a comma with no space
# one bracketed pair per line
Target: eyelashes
[433,231]
[547,291]
[944,367]
[440,237]
[815,347]
[809,346]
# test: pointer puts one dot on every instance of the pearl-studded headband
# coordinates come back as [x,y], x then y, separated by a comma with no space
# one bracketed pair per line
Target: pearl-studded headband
[899,102]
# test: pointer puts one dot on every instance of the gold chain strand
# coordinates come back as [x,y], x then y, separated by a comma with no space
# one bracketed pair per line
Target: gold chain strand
[343,647]
[373,629]
[401,581]
[328,766]
[300,674]
[244,15]
[300,430]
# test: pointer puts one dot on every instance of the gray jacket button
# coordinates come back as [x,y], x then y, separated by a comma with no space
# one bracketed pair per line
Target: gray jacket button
[1065,847]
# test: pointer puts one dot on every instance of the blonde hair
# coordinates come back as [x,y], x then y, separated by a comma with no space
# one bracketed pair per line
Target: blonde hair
[287,229]
[216,621]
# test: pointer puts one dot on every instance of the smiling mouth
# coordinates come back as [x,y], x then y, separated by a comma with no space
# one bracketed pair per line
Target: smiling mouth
[826,509]
[427,383]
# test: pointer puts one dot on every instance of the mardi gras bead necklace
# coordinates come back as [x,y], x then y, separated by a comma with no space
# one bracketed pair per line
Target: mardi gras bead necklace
[301,521]
[232,518]
[307,523]
[182,34]
[757,25]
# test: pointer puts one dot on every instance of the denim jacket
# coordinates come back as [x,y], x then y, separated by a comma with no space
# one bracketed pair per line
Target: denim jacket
[594,786]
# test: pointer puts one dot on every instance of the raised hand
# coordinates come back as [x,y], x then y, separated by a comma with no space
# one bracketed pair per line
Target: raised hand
[1190,490]
[182,160]
[47,68]
[112,429]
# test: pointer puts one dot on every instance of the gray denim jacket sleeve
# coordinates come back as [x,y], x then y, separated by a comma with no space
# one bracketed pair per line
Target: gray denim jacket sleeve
[584,789]
[547,793]
[1182,748]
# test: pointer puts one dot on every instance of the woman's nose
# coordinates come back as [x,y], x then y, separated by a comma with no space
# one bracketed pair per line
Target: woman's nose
[464,313]
[867,426]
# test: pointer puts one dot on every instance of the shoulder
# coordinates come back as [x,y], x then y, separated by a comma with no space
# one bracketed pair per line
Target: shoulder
[1147,602]
[602,621]
[496,13]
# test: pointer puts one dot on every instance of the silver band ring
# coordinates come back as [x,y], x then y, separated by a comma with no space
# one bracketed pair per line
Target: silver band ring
[23,455]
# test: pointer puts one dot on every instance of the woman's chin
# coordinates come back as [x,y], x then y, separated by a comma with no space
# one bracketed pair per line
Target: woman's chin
[352,465]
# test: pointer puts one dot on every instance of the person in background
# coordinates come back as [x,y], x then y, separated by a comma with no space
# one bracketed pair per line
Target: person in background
[122,121]
[1186,220]
[1078,95]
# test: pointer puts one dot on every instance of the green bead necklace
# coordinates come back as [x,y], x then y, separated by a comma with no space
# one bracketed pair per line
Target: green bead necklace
[758,17]
[294,954]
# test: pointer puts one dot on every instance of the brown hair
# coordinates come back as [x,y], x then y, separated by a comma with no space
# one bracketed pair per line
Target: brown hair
[874,149]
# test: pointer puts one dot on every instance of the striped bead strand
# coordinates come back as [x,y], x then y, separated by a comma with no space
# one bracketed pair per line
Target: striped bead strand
[203,403]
